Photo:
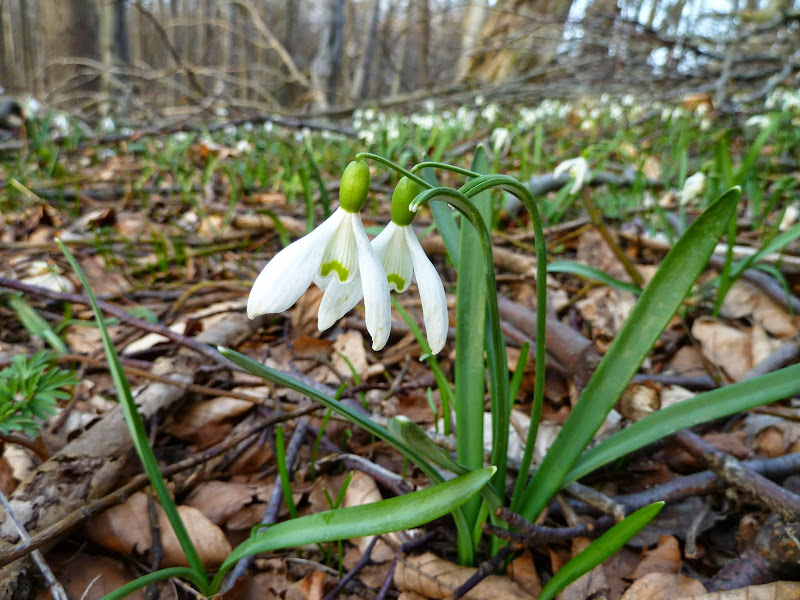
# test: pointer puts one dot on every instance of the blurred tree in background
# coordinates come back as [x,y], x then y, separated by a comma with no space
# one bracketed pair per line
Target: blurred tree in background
[153,58]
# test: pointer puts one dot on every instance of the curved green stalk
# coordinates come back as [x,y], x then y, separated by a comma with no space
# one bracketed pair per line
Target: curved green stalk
[513,186]
[445,167]
[405,172]
[500,400]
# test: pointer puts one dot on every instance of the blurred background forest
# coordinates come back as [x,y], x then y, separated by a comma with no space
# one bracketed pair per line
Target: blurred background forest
[147,60]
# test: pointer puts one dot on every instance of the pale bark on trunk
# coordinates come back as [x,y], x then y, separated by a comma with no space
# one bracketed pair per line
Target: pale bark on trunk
[69,29]
[474,19]
[363,72]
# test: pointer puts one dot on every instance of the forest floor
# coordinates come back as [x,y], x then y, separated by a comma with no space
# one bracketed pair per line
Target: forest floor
[171,231]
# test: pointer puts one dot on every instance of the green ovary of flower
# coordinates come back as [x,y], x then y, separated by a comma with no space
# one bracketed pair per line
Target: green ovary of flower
[354,186]
[404,193]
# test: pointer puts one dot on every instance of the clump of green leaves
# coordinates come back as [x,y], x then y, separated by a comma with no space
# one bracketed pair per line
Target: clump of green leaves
[29,389]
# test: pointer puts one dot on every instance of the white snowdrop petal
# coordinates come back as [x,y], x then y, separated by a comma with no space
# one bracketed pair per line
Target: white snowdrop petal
[291,271]
[396,261]
[377,307]
[338,299]
[431,292]
[340,259]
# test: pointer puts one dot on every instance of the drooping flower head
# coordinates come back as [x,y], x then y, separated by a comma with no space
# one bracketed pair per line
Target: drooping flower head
[402,258]
[338,251]
[578,168]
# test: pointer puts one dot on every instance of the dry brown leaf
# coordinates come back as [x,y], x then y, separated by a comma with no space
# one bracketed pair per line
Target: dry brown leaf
[770,435]
[349,345]
[639,400]
[686,361]
[104,281]
[588,585]
[436,578]
[190,422]
[663,586]
[664,558]
[126,529]
[364,490]
[746,300]
[735,351]
[777,590]
[90,577]
[313,585]
[523,572]
[222,502]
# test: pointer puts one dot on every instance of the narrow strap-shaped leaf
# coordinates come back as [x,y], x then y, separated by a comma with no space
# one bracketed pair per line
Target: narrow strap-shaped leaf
[647,320]
[402,512]
[715,404]
[601,549]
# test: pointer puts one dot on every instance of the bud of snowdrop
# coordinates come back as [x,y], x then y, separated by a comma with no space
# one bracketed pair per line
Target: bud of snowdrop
[693,188]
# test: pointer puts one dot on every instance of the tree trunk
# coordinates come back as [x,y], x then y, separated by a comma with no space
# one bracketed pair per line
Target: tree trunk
[69,29]
[476,15]
[397,80]
[425,43]
[518,36]
[363,71]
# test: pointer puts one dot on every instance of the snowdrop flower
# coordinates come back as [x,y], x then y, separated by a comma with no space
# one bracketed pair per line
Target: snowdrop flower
[337,252]
[60,124]
[578,168]
[501,140]
[107,125]
[693,188]
[790,216]
[760,121]
[401,257]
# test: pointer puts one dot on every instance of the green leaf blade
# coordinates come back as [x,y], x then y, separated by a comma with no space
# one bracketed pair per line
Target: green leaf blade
[649,317]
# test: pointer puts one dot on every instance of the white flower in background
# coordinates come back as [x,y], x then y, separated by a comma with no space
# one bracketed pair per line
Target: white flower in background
[60,123]
[480,100]
[367,135]
[336,252]
[790,216]
[229,130]
[759,121]
[31,106]
[268,126]
[500,140]
[369,114]
[402,257]
[693,188]
[107,125]
[528,117]
[578,168]
[491,112]
[429,105]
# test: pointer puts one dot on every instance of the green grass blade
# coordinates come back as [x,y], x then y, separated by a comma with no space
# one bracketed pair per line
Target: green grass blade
[35,324]
[715,404]
[592,274]
[137,430]
[402,512]
[650,315]
[445,389]
[599,550]
[145,580]
[283,472]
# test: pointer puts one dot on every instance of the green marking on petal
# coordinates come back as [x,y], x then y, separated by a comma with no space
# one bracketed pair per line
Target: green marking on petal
[335,265]
[395,279]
